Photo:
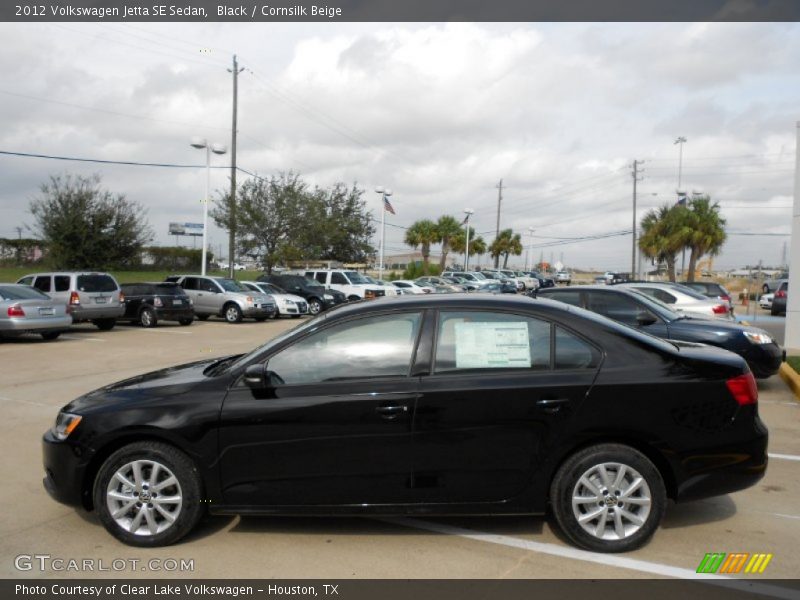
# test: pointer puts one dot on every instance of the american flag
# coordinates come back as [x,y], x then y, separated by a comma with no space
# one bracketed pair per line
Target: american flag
[388,205]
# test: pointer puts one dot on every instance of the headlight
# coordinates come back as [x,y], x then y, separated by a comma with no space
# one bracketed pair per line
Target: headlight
[328,297]
[289,302]
[757,338]
[65,424]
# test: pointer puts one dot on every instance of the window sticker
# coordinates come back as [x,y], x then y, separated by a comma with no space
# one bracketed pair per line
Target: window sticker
[492,345]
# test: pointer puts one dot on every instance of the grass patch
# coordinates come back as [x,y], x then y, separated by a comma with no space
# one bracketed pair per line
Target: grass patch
[794,362]
[12,274]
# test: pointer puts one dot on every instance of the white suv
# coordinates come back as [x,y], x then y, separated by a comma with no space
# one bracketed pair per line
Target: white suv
[351,283]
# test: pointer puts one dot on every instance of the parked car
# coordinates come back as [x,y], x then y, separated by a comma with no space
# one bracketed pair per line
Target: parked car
[318,298]
[779,301]
[766,301]
[499,277]
[443,284]
[90,296]
[772,285]
[352,284]
[24,309]
[633,308]
[389,289]
[475,278]
[711,289]
[683,300]
[149,303]
[288,304]
[412,287]
[544,280]
[512,276]
[223,297]
[339,415]
[498,287]
[528,280]
[564,277]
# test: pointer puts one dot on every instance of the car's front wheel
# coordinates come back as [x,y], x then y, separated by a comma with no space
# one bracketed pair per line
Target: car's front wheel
[148,494]
[608,498]
[233,314]
[314,306]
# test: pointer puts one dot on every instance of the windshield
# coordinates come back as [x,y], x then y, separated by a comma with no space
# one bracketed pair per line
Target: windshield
[355,277]
[229,285]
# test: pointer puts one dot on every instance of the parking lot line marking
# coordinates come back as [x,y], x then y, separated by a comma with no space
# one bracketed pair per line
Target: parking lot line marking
[784,456]
[3,398]
[169,331]
[607,560]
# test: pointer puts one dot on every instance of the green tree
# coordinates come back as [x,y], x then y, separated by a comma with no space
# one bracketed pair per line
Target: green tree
[664,235]
[706,233]
[447,228]
[506,244]
[422,234]
[84,226]
[477,245]
[338,217]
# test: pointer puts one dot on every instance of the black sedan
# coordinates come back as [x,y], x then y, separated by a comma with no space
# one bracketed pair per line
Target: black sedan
[635,309]
[420,405]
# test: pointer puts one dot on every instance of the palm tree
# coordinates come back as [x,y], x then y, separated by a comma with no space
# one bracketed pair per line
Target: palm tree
[664,234]
[707,233]
[506,244]
[447,228]
[422,234]
[477,245]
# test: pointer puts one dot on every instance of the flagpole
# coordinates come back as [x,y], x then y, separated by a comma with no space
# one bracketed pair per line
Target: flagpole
[383,234]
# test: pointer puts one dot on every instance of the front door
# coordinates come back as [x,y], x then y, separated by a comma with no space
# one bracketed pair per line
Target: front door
[334,427]
[502,389]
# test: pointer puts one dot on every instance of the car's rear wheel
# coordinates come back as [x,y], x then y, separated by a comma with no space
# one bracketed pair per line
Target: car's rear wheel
[104,324]
[148,318]
[233,314]
[148,494]
[51,335]
[203,317]
[314,306]
[261,319]
[608,498]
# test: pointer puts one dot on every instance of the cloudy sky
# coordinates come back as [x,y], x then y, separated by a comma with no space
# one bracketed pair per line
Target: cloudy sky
[439,113]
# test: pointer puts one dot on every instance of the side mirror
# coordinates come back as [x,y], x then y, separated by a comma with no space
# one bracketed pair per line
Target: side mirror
[645,318]
[255,377]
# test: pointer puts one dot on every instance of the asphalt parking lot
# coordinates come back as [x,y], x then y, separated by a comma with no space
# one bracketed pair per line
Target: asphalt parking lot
[38,378]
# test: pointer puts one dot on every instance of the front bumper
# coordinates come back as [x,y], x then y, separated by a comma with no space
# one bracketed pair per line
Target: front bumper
[764,360]
[65,467]
[261,311]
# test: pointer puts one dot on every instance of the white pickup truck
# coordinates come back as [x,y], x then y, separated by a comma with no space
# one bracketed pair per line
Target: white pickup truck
[351,283]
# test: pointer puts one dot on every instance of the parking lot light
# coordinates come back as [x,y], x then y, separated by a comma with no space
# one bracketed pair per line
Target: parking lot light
[201,143]
[469,212]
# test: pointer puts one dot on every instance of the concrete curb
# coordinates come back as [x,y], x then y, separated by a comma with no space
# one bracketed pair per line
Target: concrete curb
[792,379]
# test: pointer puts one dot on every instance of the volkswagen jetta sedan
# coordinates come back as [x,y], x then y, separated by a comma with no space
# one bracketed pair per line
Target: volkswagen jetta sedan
[420,405]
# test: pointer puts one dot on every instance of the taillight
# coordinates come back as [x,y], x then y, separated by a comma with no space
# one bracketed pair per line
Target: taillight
[720,309]
[74,298]
[743,389]
[780,294]
[16,311]
[157,302]
[121,298]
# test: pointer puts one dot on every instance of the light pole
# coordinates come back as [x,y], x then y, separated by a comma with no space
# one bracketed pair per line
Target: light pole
[469,212]
[531,230]
[681,141]
[201,143]
[384,207]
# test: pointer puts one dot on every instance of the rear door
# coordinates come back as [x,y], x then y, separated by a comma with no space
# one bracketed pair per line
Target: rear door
[501,393]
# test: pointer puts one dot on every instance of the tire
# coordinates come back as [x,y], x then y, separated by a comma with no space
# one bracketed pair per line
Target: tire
[183,501]
[232,313]
[314,306]
[51,335]
[186,321]
[148,318]
[203,317]
[295,316]
[261,319]
[765,289]
[104,324]
[620,530]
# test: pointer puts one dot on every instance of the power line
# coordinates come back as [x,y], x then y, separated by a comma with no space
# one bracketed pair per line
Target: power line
[107,162]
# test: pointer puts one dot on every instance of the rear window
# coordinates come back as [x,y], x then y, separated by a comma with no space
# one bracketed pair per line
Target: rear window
[96,283]
[164,289]
[8,292]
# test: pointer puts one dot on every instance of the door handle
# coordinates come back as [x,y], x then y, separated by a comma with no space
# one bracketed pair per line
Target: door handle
[552,405]
[391,411]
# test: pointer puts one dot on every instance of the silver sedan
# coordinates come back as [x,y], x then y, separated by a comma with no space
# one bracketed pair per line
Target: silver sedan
[683,299]
[24,309]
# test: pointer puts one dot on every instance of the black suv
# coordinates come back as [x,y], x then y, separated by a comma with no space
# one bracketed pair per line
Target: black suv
[632,308]
[318,297]
[149,303]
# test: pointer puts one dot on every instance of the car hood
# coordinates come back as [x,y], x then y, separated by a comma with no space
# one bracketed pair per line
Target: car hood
[710,327]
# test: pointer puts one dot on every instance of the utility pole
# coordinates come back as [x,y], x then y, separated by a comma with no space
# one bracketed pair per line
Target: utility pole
[635,174]
[19,246]
[232,208]
[497,229]
[680,142]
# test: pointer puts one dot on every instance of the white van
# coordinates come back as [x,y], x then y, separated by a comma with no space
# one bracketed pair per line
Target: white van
[351,283]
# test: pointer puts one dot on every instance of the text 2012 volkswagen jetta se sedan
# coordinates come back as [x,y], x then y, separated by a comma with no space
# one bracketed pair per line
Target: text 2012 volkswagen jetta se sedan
[423,405]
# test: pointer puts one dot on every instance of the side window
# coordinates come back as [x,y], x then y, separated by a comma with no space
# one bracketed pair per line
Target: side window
[571,297]
[321,278]
[207,285]
[26,280]
[614,306]
[367,348]
[42,283]
[189,283]
[339,278]
[665,297]
[62,283]
[573,353]
[470,341]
